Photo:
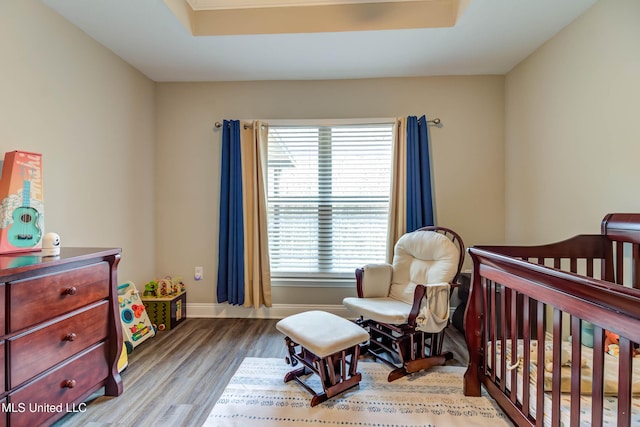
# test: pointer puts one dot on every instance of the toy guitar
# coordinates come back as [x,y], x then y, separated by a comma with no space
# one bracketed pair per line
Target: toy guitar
[24,232]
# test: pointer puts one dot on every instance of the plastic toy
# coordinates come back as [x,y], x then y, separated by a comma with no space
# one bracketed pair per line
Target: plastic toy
[610,338]
[123,360]
[612,344]
[136,326]
[151,289]
[164,287]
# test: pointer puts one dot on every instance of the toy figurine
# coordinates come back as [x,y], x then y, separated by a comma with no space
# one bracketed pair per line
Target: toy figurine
[612,344]
[175,287]
[164,287]
[51,245]
[151,289]
[609,339]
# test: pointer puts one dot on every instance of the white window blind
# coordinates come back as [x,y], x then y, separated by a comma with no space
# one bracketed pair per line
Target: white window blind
[328,200]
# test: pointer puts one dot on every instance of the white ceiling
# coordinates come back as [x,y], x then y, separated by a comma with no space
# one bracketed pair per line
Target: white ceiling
[491,37]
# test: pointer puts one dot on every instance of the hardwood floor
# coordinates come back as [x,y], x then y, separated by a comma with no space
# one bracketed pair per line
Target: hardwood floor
[177,377]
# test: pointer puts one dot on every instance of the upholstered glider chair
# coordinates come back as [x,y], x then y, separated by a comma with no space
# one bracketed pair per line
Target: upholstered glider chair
[405,305]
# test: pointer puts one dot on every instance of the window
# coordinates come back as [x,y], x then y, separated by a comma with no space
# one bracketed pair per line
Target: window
[328,200]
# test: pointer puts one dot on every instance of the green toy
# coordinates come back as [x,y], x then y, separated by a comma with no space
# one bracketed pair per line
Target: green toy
[151,289]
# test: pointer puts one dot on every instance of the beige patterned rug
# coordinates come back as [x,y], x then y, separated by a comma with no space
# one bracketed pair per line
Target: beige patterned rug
[257,396]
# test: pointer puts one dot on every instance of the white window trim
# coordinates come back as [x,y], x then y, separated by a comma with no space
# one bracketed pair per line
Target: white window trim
[328,122]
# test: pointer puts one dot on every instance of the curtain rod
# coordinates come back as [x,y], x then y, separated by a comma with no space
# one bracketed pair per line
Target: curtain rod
[246,125]
[435,121]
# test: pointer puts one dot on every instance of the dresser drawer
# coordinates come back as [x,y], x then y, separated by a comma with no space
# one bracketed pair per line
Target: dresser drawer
[60,388]
[40,349]
[35,300]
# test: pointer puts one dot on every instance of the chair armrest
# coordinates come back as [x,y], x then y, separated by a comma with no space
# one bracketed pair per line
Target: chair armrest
[418,294]
[374,280]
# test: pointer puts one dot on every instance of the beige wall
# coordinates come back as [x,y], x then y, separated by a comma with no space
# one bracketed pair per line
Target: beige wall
[468,157]
[572,134]
[92,117]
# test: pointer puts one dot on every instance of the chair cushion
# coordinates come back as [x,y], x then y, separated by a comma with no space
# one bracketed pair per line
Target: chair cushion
[422,257]
[383,310]
[376,280]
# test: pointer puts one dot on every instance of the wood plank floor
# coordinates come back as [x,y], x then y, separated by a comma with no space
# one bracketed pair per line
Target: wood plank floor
[176,378]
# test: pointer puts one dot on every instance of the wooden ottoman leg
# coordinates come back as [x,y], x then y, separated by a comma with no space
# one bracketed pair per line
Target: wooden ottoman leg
[310,363]
[337,372]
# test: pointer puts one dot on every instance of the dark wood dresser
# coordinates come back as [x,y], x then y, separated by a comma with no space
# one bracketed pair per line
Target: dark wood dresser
[60,333]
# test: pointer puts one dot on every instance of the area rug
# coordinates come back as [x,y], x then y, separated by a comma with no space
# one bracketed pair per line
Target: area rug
[257,396]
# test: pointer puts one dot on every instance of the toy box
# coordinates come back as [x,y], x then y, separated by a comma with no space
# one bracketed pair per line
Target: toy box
[136,325]
[166,312]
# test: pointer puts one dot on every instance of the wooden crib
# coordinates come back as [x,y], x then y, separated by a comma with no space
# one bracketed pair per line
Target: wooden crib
[539,322]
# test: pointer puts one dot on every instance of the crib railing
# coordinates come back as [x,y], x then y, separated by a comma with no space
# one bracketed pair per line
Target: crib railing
[529,298]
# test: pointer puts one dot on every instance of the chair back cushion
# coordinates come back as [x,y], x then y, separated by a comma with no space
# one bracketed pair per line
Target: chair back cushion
[420,258]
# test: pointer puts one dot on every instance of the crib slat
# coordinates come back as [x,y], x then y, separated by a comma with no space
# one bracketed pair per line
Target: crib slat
[576,368]
[573,265]
[540,366]
[503,338]
[526,361]
[624,382]
[597,378]
[513,296]
[619,263]
[555,381]
[492,301]
[487,324]
[635,271]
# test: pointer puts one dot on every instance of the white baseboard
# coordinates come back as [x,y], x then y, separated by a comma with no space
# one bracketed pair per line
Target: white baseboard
[277,311]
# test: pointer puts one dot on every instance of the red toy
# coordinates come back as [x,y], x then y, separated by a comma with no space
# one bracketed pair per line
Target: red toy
[611,338]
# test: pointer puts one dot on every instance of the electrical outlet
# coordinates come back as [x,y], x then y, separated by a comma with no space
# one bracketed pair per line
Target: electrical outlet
[198,273]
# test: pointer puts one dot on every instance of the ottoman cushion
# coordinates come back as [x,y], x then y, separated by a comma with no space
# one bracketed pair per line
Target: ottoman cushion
[322,333]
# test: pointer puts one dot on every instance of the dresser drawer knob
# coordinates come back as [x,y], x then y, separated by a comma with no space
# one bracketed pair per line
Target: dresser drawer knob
[69,383]
[70,337]
[71,291]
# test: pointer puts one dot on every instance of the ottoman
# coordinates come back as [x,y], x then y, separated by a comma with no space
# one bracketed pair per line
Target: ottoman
[326,345]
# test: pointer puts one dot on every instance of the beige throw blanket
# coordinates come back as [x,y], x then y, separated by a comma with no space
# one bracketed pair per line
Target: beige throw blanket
[434,312]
